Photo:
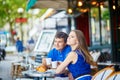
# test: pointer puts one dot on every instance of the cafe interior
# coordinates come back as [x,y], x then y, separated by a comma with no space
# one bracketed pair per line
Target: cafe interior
[100,22]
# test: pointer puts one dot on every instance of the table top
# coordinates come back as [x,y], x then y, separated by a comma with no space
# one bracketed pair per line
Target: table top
[34,73]
[108,63]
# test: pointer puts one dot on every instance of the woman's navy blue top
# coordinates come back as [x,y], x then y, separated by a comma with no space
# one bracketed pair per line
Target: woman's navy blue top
[81,67]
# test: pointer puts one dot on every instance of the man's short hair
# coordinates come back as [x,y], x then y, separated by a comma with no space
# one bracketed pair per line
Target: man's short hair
[62,35]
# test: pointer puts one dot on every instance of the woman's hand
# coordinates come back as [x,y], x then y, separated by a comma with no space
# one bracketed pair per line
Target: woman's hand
[70,76]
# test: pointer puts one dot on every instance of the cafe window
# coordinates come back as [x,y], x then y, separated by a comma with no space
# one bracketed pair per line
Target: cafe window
[105,25]
[100,24]
[95,26]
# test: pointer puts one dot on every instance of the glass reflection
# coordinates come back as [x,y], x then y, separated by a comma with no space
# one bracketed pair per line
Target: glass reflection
[100,24]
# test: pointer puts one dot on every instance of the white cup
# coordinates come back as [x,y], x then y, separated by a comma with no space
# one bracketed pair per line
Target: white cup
[54,64]
[48,61]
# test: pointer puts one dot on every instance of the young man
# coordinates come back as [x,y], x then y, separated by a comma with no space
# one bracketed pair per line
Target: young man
[59,53]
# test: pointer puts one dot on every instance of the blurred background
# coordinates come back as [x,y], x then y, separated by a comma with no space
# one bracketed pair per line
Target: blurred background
[98,19]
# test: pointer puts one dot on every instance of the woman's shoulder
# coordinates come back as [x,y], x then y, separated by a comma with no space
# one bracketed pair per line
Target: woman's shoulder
[72,53]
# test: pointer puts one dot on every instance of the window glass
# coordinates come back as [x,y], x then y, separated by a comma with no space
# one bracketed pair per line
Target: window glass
[100,31]
[100,21]
[105,24]
[95,26]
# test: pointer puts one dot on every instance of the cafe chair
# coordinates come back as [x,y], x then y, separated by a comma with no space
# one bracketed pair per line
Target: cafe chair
[38,58]
[16,69]
[114,76]
[95,56]
[103,73]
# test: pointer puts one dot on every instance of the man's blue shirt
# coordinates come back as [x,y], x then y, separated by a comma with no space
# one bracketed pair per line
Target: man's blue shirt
[57,55]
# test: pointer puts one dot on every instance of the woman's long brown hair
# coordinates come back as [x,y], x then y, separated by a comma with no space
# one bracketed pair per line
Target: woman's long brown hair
[83,47]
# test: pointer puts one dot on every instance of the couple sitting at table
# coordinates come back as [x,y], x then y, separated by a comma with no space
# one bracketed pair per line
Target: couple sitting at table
[75,57]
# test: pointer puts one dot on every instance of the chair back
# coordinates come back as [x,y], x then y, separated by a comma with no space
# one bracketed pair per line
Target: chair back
[103,74]
[38,58]
[95,55]
[114,76]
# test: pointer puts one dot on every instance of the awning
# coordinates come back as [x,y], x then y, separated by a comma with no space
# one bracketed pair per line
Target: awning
[59,19]
[30,4]
[56,4]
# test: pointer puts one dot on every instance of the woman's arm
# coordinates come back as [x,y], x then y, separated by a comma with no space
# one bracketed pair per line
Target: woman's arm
[70,58]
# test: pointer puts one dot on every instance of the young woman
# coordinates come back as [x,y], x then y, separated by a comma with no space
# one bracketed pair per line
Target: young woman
[78,60]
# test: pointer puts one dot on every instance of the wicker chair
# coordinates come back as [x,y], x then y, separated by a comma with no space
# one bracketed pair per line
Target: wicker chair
[16,70]
[114,76]
[95,56]
[103,73]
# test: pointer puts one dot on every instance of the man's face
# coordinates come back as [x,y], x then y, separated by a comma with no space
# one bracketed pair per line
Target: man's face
[59,43]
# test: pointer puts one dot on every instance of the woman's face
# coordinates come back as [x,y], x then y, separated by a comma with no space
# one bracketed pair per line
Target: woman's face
[72,39]
[59,43]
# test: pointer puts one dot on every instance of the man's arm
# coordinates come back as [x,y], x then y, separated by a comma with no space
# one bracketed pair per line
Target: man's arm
[49,55]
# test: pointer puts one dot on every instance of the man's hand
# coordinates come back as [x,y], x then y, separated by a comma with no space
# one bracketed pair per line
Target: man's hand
[45,63]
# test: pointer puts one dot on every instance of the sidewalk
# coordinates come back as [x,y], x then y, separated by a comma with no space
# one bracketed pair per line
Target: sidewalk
[5,66]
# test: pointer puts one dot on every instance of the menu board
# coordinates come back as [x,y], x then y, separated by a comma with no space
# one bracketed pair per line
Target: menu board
[45,41]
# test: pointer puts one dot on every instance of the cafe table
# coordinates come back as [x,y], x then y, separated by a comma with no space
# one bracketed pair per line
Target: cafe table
[33,73]
[116,65]
[109,63]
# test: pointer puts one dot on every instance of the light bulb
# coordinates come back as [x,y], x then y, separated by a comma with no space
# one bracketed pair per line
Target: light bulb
[80,3]
[70,11]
